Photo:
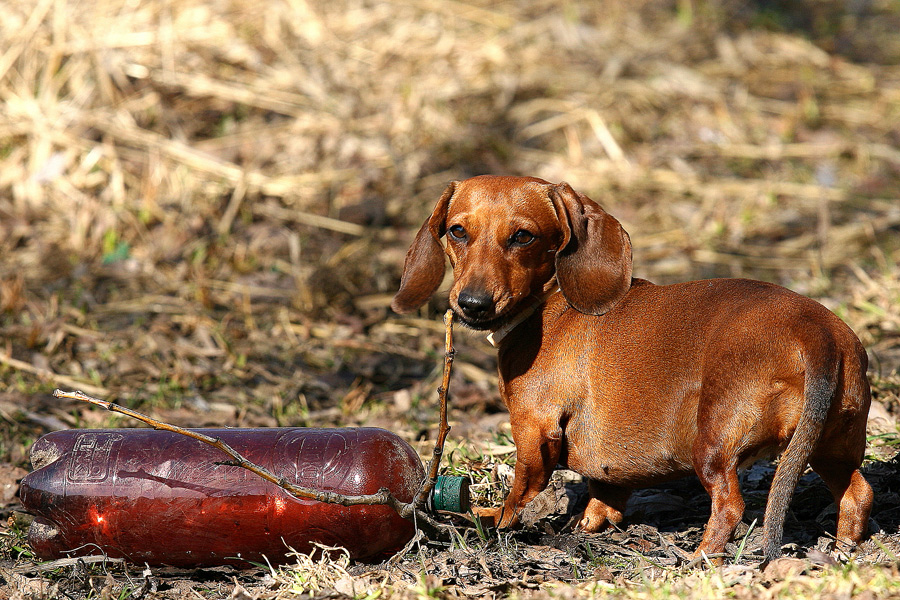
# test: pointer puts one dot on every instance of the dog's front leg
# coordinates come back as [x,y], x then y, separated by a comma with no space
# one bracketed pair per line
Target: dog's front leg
[537,454]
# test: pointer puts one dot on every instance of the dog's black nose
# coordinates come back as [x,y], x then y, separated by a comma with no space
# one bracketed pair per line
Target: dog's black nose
[475,304]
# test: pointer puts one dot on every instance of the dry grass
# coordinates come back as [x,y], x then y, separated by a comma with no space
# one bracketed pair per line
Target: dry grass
[249,170]
[204,204]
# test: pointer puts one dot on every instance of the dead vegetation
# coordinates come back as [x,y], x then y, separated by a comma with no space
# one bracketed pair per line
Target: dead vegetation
[204,205]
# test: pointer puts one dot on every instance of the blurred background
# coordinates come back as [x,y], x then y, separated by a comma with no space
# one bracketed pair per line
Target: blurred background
[205,205]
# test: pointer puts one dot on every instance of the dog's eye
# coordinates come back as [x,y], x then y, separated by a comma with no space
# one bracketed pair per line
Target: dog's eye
[457,232]
[522,238]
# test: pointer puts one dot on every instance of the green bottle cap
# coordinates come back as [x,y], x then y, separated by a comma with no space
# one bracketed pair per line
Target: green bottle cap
[451,493]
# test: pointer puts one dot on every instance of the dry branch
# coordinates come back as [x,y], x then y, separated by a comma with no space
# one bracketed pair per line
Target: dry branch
[406,510]
[383,496]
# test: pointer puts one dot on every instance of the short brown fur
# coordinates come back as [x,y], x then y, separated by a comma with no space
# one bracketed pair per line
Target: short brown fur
[630,383]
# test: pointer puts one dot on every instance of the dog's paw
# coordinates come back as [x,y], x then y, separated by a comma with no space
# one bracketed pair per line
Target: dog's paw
[488,516]
[597,516]
[590,525]
[501,518]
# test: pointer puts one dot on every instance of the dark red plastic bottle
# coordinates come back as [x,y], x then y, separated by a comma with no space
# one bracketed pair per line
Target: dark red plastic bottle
[163,498]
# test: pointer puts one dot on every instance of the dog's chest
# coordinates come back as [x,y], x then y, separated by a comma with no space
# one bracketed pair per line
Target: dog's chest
[579,383]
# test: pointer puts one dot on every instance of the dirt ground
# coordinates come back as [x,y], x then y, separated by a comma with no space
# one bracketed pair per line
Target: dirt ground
[205,205]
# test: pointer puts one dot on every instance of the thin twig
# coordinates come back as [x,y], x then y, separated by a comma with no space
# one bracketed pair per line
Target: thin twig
[444,428]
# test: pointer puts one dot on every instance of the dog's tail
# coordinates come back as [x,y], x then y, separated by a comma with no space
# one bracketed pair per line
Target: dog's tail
[821,368]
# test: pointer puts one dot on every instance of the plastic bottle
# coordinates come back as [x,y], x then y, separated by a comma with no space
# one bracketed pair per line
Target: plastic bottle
[158,497]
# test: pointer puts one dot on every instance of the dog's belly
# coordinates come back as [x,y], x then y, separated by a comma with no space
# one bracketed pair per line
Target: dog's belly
[627,454]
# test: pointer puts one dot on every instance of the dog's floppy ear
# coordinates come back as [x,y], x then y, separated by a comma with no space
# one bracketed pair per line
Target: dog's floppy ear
[423,270]
[593,263]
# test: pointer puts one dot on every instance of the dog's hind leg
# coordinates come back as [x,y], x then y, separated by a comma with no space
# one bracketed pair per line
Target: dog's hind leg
[842,447]
[853,496]
[718,474]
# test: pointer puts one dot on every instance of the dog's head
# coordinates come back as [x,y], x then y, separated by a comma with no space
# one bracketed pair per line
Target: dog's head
[510,240]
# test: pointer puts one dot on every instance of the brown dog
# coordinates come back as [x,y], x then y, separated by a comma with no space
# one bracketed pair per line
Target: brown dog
[631,384]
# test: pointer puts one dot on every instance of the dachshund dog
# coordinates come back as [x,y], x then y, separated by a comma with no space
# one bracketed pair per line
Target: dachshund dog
[630,383]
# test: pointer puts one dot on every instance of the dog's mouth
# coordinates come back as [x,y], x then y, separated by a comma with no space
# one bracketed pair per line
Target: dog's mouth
[487,320]
[507,320]
[480,323]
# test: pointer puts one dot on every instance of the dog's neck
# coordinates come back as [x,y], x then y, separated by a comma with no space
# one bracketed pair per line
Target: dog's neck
[495,337]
